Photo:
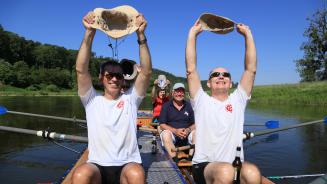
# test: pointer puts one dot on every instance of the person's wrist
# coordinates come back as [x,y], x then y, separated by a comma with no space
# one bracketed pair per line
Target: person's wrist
[90,32]
[142,41]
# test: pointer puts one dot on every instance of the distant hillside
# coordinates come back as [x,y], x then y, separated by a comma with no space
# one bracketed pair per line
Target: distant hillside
[35,66]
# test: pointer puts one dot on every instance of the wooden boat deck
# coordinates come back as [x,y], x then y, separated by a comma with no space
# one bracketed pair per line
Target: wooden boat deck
[158,167]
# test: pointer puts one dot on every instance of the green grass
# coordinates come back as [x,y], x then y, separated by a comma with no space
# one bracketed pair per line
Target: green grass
[6,90]
[313,93]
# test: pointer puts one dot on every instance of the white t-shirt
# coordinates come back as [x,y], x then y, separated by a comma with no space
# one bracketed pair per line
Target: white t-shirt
[219,126]
[111,126]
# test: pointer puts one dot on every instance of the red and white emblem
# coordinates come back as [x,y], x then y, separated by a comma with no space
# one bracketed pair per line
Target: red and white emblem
[120,105]
[229,108]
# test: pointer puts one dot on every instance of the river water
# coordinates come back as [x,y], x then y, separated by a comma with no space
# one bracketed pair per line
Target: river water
[30,159]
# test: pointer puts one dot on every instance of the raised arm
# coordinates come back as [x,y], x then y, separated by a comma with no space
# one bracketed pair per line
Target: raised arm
[143,78]
[153,91]
[84,80]
[250,61]
[192,75]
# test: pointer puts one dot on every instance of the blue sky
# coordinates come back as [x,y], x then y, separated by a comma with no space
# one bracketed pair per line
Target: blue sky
[277,26]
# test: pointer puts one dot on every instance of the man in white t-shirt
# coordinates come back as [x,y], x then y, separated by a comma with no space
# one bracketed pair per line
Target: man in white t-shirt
[114,156]
[219,118]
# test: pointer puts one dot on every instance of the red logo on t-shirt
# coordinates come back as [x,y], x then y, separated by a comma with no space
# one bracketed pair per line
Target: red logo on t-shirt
[120,105]
[229,108]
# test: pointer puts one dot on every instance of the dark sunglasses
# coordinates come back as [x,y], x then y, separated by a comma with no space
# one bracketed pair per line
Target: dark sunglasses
[218,74]
[118,76]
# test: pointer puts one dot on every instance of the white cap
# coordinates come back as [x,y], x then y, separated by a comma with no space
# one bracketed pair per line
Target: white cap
[178,85]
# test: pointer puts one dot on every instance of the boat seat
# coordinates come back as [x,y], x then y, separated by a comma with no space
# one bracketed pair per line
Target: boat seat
[182,154]
[184,163]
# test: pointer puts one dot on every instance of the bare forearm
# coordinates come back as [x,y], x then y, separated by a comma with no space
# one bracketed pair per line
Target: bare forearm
[250,54]
[82,63]
[84,54]
[145,58]
[190,56]
[190,59]
[142,81]
[164,126]
[153,93]
[192,127]
[250,63]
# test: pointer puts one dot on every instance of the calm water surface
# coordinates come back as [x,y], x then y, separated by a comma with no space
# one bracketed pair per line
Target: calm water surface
[30,159]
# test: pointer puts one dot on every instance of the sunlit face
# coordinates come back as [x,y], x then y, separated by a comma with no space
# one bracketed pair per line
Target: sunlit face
[162,94]
[112,82]
[220,80]
[178,94]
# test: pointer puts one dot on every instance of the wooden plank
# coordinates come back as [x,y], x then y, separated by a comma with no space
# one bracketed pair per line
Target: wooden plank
[184,163]
[144,121]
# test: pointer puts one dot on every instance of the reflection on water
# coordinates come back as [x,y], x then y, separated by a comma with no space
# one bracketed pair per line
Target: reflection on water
[296,151]
[291,152]
[35,159]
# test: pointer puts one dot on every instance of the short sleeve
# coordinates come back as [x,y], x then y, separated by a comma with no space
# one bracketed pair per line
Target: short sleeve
[163,114]
[88,96]
[240,95]
[135,98]
[195,102]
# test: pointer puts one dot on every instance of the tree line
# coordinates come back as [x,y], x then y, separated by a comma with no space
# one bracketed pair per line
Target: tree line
[35,66]
[29,64]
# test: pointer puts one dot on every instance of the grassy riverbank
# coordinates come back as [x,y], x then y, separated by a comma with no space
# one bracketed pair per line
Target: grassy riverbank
[6,90]
[314,93]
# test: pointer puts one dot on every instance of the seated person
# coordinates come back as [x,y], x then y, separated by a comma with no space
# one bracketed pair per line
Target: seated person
[177,122]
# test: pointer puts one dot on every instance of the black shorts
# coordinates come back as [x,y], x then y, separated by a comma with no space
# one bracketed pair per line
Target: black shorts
[180,142]
[197,170]
[110,174]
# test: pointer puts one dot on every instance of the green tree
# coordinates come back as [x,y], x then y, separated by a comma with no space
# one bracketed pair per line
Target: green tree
[313,67]
[22,74]
[6,72]
[59,77]
[49,56]
[4,44]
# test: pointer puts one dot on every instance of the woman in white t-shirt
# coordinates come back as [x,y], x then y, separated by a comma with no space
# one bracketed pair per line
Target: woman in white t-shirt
[114,156]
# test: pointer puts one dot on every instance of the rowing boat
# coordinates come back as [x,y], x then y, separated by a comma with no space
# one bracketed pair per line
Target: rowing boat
[159,168]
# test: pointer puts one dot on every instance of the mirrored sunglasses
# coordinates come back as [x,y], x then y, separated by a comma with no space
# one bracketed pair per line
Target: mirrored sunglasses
[218,74]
